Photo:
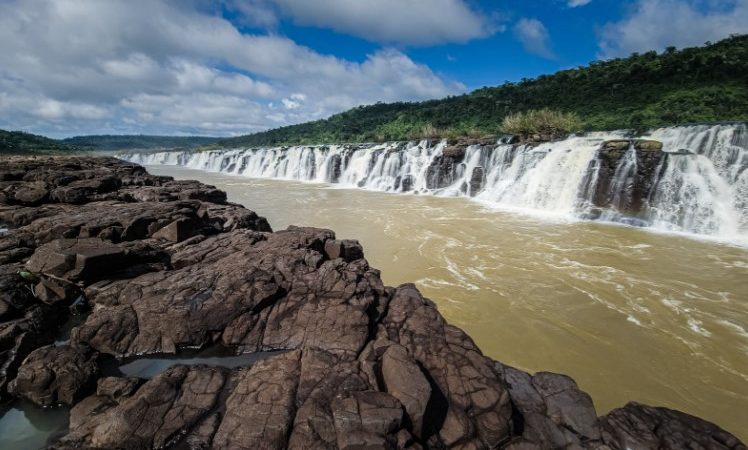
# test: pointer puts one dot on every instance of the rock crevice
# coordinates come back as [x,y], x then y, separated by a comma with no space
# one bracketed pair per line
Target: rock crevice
[172,265]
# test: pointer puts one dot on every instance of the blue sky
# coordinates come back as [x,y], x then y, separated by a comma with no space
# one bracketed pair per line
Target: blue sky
[227,67]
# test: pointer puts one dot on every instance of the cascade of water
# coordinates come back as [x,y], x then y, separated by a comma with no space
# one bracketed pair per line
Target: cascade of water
[701,187]
[704,187]
[621,189]
[623,179]
[475,156]
[547,178]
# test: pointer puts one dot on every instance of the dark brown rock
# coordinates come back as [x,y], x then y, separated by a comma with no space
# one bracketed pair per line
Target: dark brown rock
[260,409]
[32,195]
[55,291]
[25,323]
[234,217]
[637,426]
[347,249]
[51,375]
[171,265]
[454,151]
[626,192]
[404,380]
[367,419]
[475,408]
[116,388]
[77,259]
[155,416]
[176,231]
[476,181]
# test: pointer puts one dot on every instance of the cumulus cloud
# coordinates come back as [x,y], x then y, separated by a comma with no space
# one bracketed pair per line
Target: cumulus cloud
[415,22]
[575,3]
[258,13]
[534,37]
[656,24]
[70,66]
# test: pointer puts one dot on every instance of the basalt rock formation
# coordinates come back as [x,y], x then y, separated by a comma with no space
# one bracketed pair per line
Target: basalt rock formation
[165,266]
[638,174]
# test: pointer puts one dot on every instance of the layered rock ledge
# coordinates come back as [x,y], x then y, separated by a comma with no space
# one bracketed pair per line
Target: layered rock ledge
[156,266]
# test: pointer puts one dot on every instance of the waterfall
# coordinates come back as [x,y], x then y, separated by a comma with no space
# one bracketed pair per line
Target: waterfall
[621,189]
[704,188]
[697,183]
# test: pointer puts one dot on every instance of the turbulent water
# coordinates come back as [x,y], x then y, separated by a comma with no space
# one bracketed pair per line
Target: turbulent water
[701,187]
[629,313]
[657,315]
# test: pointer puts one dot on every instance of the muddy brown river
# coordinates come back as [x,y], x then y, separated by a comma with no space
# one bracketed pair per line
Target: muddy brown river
[631,314]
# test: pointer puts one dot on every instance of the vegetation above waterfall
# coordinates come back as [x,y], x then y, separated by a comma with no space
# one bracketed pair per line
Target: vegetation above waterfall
[700,84]
[544,123]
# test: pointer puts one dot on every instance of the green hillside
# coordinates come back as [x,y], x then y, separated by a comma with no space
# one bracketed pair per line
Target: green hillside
[700,84]
[130,142]
[18,142]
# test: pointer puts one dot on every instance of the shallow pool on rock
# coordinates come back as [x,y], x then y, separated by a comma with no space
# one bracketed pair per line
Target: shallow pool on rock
[152,365]
[24,426]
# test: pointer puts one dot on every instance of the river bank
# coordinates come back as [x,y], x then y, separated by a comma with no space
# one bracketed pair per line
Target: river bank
[621,309]
[169,266]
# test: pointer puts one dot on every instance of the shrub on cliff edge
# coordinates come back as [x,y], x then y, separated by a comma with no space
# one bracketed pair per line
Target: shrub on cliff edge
[544,122]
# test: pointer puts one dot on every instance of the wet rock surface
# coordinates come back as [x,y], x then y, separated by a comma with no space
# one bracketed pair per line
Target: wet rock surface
[52,376]
[167,266]
[625,185]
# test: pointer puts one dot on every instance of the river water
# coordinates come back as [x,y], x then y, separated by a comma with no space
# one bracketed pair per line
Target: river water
[630,313]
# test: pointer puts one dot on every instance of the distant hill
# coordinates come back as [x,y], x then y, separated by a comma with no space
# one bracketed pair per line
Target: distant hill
[693,85]
[18,142]
[131,142]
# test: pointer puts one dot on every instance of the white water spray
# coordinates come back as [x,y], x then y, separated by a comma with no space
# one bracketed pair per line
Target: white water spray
[701,187]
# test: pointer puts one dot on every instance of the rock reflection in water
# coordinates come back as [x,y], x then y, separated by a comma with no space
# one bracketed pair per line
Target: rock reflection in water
[24,426]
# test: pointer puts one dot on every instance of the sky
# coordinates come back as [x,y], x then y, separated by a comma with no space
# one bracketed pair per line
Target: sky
[231,67]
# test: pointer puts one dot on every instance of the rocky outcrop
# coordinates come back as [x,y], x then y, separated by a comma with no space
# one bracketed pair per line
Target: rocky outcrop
[25,322]
[59,246]
[172,265]
[627,174]
[446,168]
[476,180]
[51,375]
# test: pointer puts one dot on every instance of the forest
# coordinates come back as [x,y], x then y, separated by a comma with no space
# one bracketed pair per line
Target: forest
[18,142]
[643,91]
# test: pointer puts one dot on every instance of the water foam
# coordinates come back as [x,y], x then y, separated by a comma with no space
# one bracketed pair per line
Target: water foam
[701,189]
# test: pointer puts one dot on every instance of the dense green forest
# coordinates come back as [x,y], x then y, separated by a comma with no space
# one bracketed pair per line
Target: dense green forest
[18,142]
[22,143]
[700,84]
[130,142]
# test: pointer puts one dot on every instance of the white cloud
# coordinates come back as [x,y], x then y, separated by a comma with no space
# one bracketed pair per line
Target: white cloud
[259,13]
[534,37]
[72,66]
[294,101]
[656,24]
[575,3]
[416,22]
